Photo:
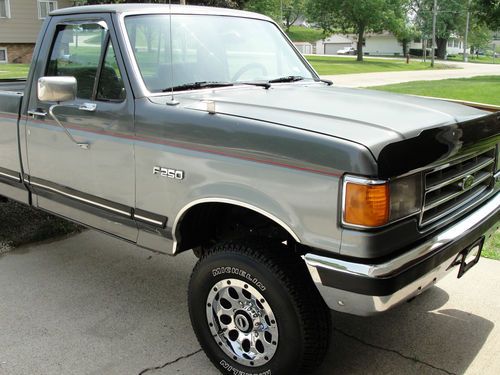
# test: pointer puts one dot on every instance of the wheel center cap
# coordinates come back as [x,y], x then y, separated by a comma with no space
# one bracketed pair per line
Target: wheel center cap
[243,321]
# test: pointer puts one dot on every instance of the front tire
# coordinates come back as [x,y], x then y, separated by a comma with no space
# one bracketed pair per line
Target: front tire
[255,310]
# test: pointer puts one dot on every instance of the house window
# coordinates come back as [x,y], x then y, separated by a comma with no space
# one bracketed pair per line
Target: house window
[4,9]
[3,55]
[45,7]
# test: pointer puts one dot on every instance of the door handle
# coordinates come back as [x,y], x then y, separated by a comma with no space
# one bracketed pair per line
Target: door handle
[88,107]
[35,113]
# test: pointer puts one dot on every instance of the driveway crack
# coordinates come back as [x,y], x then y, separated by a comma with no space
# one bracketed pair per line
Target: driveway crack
[170,362]
[416,360]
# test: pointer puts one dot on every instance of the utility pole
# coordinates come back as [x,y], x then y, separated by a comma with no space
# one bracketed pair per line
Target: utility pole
[466,58]
[434,16]
[281,13]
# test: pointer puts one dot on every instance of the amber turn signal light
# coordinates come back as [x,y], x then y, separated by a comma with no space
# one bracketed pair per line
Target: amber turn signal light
[366,204]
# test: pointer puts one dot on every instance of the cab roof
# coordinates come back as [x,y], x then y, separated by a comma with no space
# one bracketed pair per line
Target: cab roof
[156,9]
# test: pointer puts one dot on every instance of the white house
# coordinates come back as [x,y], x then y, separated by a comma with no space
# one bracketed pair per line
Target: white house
[378,44]
[383,44]
[455,46]
[304,47]
[332,44]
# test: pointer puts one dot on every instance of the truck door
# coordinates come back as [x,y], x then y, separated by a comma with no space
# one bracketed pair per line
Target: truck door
[83,167]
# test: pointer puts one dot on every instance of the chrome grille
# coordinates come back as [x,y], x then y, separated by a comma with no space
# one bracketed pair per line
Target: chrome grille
[454,185]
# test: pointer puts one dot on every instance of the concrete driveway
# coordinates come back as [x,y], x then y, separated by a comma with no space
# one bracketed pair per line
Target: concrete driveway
[464,70]
[91,304]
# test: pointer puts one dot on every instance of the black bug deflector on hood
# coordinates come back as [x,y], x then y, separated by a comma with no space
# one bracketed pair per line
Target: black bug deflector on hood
[437,144]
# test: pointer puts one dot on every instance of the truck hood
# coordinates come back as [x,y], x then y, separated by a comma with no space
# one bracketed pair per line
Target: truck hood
[371,118]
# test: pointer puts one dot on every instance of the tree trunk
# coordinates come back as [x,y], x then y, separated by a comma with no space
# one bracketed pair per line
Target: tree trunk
[361,35]
[405,47]
[441,47]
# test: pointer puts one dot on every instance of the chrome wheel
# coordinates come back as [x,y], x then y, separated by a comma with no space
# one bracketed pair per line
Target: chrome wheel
[242,322]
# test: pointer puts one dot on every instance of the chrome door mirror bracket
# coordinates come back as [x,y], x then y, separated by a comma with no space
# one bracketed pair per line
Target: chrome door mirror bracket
[82,145]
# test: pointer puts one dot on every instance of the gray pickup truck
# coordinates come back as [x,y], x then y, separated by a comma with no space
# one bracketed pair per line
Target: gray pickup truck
[204,129]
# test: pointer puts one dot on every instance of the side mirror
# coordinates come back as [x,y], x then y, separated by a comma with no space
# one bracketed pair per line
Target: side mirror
[57,89]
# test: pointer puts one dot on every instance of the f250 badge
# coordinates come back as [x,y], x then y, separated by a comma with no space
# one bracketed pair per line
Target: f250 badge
[169,173]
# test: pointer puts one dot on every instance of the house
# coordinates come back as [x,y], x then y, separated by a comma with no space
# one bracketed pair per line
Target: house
[20,23]
[332,44]
[383,44]
[379,44]
[304,47]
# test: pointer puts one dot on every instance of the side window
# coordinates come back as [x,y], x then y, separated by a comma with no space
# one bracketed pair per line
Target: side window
[111,86]
[76,52]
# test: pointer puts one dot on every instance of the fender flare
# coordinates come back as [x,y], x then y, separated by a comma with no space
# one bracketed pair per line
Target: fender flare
[187,207]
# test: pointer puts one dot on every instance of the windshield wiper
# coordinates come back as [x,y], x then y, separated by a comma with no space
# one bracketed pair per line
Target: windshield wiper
[327,81]
[259,84]
[286,79]
[197,85]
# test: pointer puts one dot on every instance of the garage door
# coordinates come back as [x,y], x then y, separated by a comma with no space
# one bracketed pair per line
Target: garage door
[332,48]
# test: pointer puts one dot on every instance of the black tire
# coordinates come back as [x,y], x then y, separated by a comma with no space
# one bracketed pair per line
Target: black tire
[281,281]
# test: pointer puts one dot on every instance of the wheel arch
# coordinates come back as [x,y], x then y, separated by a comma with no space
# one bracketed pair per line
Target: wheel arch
[188,208]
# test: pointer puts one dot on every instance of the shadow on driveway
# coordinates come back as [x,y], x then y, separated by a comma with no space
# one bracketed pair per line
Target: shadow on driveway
[419,337]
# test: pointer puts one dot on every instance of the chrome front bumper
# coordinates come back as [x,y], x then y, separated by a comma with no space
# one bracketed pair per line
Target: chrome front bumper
[367,289]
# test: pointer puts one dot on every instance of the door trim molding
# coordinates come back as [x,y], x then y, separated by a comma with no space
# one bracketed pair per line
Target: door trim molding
[43,187]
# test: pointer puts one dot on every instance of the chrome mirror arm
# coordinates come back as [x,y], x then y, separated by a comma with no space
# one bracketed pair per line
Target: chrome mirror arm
[82,145]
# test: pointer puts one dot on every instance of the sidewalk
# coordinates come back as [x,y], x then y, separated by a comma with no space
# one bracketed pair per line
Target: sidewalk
[466,70]
[91,304]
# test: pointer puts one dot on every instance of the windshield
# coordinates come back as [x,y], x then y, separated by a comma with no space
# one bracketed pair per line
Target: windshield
[210,49]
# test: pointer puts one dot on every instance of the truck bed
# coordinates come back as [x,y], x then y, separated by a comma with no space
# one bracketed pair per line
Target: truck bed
[11,96]
[14,85]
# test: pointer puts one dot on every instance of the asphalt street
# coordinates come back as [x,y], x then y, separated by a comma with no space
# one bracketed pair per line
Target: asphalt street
[91,304]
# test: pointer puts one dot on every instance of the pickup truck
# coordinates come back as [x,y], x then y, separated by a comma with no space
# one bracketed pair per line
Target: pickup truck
[204,129]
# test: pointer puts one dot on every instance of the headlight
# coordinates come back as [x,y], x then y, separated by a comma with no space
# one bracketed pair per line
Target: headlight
[371,203]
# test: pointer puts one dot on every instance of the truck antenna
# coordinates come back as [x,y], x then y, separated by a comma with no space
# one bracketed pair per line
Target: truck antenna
[172,99]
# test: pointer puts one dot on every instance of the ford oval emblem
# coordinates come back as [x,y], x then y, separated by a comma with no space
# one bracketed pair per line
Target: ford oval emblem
[467,182]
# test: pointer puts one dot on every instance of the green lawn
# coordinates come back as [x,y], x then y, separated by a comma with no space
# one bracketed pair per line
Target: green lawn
[479,60]
[485,89]
[14,70]
[328,65]
[492,247]
[305,34]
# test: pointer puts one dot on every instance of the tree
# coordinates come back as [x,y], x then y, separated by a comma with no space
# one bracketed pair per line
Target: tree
[405,33]
[479,36]
[450,20]
[292,10]
[488,11]
[405,29]
[360,16]
[270,8]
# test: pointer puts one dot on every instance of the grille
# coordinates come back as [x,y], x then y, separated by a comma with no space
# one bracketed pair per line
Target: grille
[454,185]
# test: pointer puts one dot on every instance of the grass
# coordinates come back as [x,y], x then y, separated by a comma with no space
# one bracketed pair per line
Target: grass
[305,34]
[491,247]
[478,60]
[484,89]
[328,65]
[14,70]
